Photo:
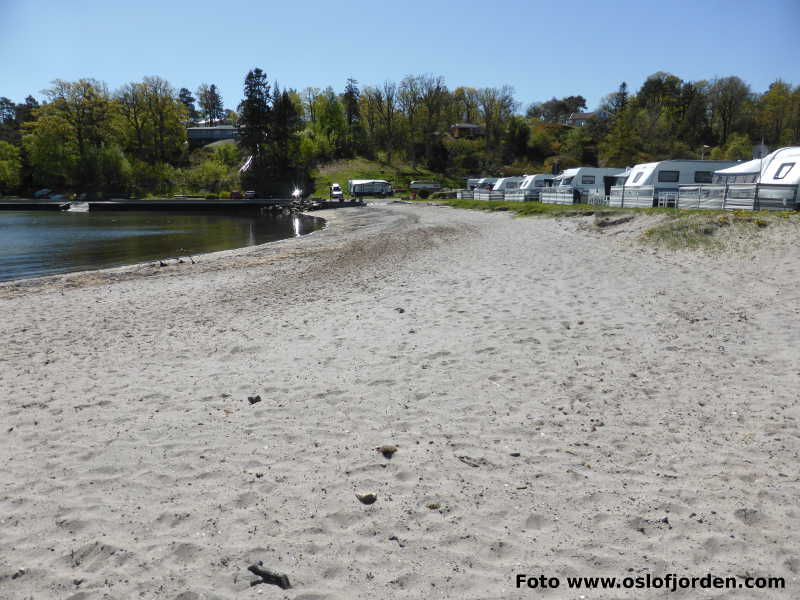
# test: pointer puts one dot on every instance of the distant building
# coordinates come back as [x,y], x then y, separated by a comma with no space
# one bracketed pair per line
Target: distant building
[580,119]
[206,135]
[465,130]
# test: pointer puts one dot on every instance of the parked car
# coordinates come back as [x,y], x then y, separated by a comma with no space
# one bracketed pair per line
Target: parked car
[336,192]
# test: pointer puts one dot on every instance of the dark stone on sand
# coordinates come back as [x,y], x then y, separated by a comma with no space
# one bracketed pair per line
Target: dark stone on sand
[253,399]
[387,450]
[270,577]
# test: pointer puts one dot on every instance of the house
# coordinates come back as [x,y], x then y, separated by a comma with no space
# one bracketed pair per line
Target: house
[580,119]
[206,135]
[465,130]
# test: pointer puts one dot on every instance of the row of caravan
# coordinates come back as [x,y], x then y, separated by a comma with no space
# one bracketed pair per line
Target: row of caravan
[765,183]
[769,182]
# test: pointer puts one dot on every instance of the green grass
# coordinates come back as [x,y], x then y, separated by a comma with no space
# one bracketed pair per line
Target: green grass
[399,174]
[526,209]
[704,230]
[694,229]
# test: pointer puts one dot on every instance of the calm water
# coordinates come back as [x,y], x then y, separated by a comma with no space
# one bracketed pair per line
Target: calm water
[35,243]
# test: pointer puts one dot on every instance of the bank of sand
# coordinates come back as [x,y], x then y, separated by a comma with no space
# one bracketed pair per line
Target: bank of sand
[565,402]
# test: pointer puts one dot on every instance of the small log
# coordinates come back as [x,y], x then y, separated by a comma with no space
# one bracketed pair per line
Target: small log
[270,577]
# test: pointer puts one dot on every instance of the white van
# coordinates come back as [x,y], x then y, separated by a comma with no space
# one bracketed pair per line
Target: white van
[369,187]
[336,192]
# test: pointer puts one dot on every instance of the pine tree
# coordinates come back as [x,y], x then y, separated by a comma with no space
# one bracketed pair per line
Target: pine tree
[186,98]
[210,102]
[255,112]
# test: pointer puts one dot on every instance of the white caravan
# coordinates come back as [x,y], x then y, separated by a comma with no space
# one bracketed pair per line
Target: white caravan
[588,180]
[369,187]
[472,183]
[782,167]
[658,183]
[532,186]
[742,172]
[507,184]
[669,174]
[532,182]
[486,183]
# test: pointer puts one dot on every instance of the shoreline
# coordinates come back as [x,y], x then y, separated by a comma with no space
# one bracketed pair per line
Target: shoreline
[153,264]
[563,401]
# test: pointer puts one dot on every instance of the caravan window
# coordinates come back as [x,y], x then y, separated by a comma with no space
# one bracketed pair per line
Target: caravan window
[587,179]
[567,181]
[669,176]
[638,176]
[783,170]
[703,176]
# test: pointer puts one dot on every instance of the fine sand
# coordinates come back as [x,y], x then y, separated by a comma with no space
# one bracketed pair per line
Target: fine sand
[564,401]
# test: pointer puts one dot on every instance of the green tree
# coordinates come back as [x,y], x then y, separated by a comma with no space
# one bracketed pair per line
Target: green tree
[729,97]
[622,145]
[352,115]
[330,122]
[51,147]
[255,127]
[65,140]
[517,135]
[495,105]
[285,139]
[152,120]
[10,167]
[774,114]
[185,97]
[211,105]
[738,147]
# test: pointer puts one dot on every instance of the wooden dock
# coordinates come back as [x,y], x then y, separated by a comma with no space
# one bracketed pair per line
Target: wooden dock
[177,204]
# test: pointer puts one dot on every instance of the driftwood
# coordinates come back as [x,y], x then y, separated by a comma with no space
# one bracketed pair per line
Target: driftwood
[270,577]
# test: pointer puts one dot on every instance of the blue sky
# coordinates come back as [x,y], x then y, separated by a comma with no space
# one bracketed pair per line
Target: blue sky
[542,49]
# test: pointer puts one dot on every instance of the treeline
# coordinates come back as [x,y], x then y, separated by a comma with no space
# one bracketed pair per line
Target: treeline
[132,141]
[85,138]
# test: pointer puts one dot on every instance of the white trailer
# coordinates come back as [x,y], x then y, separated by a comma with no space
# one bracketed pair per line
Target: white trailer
[506,184]
[781,167]
[530,188]
[657,183]
[587,179]
[743,172]
[369,187]
[486,183]
[425,185]
[540,180]
[582,184]
[472,183]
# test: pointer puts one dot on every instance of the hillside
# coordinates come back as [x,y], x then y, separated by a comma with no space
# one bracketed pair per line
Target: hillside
[399,174]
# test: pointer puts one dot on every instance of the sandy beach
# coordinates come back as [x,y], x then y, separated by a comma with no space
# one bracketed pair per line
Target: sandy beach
[564,401]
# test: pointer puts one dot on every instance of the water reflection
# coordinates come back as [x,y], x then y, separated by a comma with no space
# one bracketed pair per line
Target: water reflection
[35,243]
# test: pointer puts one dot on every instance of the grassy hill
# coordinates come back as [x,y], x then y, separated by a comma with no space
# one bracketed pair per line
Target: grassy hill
[399,174]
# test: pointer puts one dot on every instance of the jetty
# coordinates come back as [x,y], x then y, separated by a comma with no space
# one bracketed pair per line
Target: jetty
[177,204]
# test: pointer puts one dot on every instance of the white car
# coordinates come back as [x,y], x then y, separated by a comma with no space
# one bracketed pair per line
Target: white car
[336,192]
